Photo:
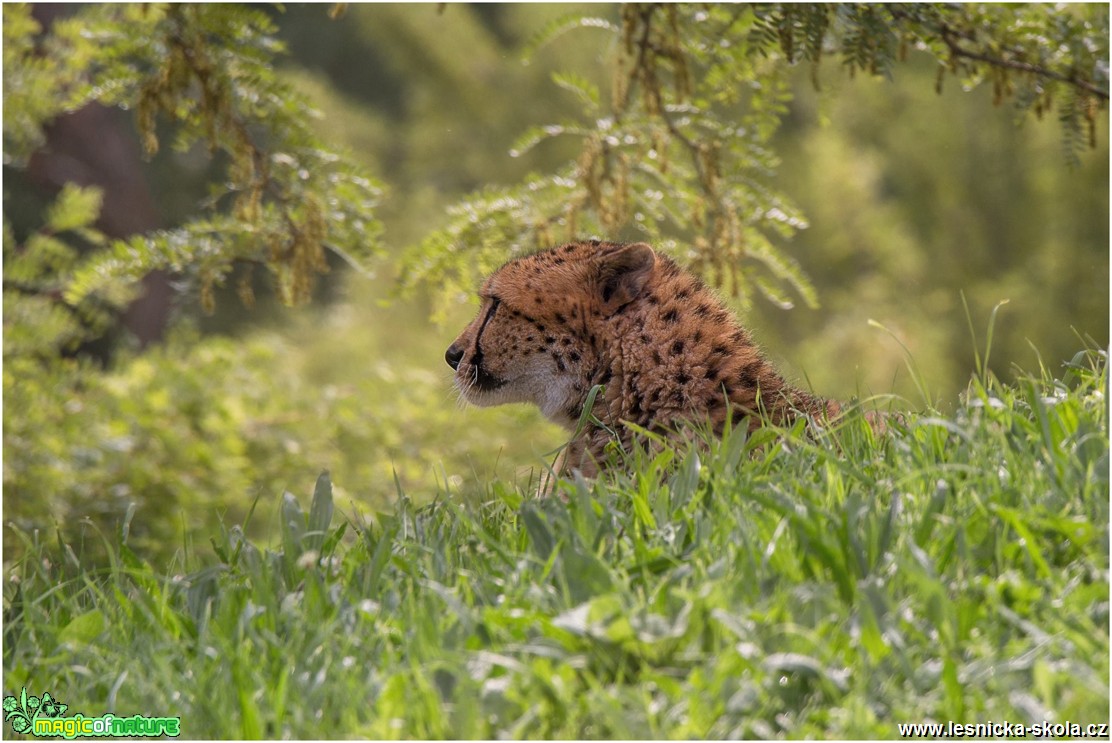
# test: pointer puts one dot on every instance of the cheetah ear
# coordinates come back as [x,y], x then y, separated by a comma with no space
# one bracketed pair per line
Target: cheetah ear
[624,273]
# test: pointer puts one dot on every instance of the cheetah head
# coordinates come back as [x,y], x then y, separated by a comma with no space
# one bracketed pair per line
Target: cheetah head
[540,334]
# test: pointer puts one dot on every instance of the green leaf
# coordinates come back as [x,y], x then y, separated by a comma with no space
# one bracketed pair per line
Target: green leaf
[642,510]
[556,28]
[540,534]
[579,86]
[320,512]
[84,628]
[1016,520]
[293,530]
[76,207]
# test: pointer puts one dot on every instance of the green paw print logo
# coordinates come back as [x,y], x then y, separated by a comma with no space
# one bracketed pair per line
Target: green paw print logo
[23,712]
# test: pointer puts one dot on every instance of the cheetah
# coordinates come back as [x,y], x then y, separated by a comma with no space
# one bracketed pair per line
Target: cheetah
[554,324]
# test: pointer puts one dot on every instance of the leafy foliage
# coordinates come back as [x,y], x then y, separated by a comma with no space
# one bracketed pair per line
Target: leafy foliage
[177,437]
[39,318]
[207,70]
[778,586]
[765,587]
[35,85]
[677,157]
[678,153]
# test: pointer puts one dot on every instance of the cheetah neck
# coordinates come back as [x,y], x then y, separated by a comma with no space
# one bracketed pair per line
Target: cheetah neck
[677,354]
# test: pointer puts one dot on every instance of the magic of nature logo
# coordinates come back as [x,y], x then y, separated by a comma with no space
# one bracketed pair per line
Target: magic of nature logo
[44,717]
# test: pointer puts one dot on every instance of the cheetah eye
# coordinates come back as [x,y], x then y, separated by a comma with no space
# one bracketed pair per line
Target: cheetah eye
[494,304]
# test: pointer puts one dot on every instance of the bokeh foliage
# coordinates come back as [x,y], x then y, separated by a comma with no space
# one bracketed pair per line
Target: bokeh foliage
[686,125]
[919,204]
[677,150]
[207,71]
[186,436]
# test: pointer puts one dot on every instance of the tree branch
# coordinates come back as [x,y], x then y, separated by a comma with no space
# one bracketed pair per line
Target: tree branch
[953,37]
[957,50]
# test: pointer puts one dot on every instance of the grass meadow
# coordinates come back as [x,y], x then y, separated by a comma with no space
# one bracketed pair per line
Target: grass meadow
[780,585]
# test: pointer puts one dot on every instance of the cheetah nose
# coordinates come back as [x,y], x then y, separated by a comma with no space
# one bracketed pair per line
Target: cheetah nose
[453,356]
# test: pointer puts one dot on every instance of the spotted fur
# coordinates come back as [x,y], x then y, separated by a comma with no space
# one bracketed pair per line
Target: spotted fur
[554,324]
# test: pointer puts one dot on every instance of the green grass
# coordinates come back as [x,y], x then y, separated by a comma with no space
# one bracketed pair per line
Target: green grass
[772,586]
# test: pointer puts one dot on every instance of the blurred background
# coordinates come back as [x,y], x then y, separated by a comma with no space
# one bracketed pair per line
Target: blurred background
[914,199]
